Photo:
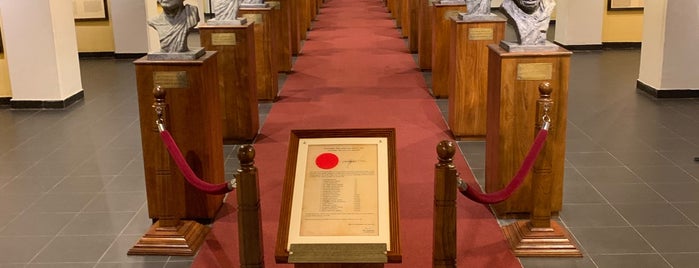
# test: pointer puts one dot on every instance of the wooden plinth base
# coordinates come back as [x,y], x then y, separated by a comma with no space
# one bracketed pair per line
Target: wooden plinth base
[526,241]
[183,240]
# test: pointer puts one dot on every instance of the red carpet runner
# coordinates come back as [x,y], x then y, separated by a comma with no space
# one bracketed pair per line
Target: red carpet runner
[355,72]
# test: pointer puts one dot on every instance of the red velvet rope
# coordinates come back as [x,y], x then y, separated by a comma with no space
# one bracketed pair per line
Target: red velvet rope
[192,178]
[473,192]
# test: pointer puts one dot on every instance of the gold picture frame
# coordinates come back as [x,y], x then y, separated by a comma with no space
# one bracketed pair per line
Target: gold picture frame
[333,175]
[87,10]
[625,4]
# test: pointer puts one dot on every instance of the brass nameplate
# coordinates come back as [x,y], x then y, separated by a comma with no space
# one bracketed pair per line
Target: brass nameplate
[337,253]
[534,71]
[223,39]
[480,34]
[275,4]
[170,79]
[257,18]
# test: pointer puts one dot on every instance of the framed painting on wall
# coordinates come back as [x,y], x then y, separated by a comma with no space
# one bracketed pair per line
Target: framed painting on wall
[625,4]
[90,10]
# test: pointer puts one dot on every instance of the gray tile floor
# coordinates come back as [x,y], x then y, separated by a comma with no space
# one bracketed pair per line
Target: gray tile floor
[72,191]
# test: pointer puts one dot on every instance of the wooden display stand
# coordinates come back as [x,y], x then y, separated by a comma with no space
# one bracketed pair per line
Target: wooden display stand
[443,14]
[304,18]
[193,98]
[195,124]
[468,66]
[281,20]
[424,47]
[372,203]
[266,63]
[513,79]
[237,78]
[414,32]
[294,28]
[405,18]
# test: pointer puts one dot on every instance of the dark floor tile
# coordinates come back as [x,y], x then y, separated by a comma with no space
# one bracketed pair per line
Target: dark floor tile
[672,239]
[580,192]
[61,265]
[583,262]
[178,264]
[37,224]
[130,265]
[630,193]
[678,192]
[582,145]
[13,168]
[672,145]
[116,202]
[127,183]
[682,158]
[612,240]
[630,260]
[31,184]
[21,249]
[16,203]
[68,202]
[597,159]
[597,175]
[662,174]
[591,215]
[691,210]
[652,214]
[75,249]
[646,158]
[682,260]
[98,223]
[82,184]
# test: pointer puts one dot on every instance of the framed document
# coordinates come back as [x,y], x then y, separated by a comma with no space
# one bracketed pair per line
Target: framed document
[84,10]
[625,4]
[340,196]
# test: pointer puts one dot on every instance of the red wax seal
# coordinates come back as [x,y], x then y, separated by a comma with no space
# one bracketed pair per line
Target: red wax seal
[327,160]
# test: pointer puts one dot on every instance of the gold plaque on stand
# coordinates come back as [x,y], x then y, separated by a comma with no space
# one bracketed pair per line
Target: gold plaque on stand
[223,39]
[534,71]
[170,79]
[480,34]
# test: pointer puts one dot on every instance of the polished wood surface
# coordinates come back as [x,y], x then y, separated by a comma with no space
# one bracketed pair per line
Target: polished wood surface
[250,244]
[405,18]
[266,63]
[527,241]
[511,113]
[282,22]
[304,18]
[194,121]
[444,215]
[281,254]
[182,240]
[424,47]
[237,80]
[441,32]
[294,28]
[468,82]
[414,32]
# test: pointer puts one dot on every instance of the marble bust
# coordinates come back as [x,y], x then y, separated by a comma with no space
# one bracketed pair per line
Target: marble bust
[530,18]
[478,7]
[174,24]
[226,10]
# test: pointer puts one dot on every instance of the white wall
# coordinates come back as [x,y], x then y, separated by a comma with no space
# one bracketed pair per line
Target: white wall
[579,22]
[129,24]
[681,45]
[653,45]
[40,42]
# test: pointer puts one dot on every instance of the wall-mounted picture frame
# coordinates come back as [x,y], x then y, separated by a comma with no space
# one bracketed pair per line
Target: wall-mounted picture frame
[86,10]
[625,4]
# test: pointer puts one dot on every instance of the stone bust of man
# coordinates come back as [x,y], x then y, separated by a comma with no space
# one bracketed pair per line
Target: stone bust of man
[226,10]
[174,25]
[530,19]
[478,7]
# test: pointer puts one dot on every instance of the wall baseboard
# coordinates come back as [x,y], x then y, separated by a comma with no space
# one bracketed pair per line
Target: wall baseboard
[91,55]
[31,104]
[129,55]
[5,101]
[621,45]
[580,47]
[667,93]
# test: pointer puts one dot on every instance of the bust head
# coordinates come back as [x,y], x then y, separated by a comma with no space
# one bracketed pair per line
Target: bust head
[528,6]
[170,5]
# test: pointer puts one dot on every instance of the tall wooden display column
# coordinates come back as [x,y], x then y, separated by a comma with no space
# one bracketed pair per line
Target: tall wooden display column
[513,82]
[414,32]
[267,82]
[281,20]
[424,47]
[443,12]
[237,78]
[294,29]
[405,18]
[468,66]
[304,18]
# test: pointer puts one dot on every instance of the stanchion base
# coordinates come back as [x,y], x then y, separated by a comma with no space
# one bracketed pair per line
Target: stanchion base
[182,240]
[526,241]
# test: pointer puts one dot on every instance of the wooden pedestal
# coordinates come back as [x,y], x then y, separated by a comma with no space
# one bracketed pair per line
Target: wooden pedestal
[443,13]
[280,24]
[468,66]
[194,121]
[304,18]
[405,18]
[294,28]
[266,65]
[414,25]
[424,47]
[183,239]
[527,241]
[237,78]
[513,81]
